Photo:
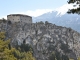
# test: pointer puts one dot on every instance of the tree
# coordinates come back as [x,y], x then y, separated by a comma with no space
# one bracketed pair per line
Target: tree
[52,56]
[23,55]
[75,10]
[28,56]
[46,22]
[64,57]
[4,20]
[5,53]
[78,58]
[10,53]
[41,22]
[2,35]
[9,22]
[58,57]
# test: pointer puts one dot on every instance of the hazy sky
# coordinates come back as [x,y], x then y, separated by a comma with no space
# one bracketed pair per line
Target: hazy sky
[28,6]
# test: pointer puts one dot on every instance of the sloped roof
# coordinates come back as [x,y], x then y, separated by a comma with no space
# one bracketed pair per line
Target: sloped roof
[19,15]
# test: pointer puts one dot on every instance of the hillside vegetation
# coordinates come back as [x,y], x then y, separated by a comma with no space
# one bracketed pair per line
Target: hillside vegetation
[9,53]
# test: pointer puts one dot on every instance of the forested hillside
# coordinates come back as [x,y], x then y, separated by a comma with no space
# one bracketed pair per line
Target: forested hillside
[7,52]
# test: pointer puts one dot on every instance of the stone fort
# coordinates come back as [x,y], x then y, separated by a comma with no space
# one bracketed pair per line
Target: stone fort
[19,18]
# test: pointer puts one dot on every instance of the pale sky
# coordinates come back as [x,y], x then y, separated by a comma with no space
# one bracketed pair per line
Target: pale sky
[29,7]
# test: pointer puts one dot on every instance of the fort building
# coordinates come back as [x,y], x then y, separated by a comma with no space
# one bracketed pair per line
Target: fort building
[19,18]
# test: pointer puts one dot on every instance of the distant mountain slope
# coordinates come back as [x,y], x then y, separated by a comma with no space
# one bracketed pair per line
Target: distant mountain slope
[68,20]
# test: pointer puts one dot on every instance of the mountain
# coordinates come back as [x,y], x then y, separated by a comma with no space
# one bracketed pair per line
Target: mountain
[48,41]
[67,20]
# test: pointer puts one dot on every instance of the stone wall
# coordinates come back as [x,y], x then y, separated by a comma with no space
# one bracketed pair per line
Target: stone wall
[19,18]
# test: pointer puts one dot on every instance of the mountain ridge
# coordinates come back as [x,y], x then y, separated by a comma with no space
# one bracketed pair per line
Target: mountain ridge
[67,20]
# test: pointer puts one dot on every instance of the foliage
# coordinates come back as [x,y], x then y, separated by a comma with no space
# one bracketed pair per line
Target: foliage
[4,20]
[64,57]
[71,59]
[57,54]
[41,22]
[78,58]
[75,10]
[28,56]
[7,53]
[46,22]
[65,48]
[52,57]
[24,47]
[3,45]
[23,55]
[9,22]
[2,35]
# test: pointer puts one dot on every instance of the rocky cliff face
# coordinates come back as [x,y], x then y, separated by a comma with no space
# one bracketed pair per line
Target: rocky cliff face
[44,38]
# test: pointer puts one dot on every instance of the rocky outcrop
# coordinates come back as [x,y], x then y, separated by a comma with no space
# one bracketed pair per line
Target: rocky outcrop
[44,38]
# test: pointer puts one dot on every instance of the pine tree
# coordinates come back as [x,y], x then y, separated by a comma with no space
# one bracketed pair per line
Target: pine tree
[7,53]
[76,10]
